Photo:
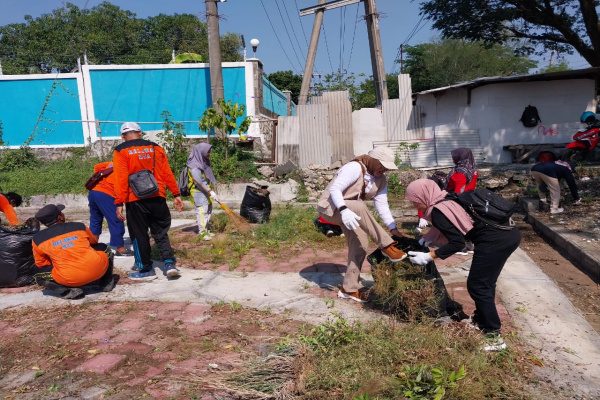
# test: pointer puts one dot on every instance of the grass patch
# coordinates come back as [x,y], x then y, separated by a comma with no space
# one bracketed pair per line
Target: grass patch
[50,177]
[386,360]
[290,230]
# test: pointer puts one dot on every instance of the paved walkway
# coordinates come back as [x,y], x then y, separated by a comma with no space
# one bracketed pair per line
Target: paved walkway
[529,300]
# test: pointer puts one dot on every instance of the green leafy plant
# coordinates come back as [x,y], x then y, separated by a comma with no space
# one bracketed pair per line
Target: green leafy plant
[423,382]
[15,159]
[402,156]
[223,120]
[331,334]
[174,142]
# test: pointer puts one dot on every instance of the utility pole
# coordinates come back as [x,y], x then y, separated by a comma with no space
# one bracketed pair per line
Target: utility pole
[312,53]
[214,52]
[379,77]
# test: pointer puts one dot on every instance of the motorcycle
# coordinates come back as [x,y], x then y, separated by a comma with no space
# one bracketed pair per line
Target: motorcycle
[583,144]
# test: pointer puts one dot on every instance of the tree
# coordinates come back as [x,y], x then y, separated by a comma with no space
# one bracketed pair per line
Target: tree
[532,25]
[287,80]
[223,120]
[450,61]
[108,34]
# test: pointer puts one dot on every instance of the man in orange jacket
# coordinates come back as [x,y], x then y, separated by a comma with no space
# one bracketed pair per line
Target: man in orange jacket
[101,199]
[73,252]
[149,213]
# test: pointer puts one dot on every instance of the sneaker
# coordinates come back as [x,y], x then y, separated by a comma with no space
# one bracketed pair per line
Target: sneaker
[124,253]
[493,342]
[329,233]
[206,235]
[393,253]
[143,275]
[110,285]
[136,267]
[556,210]
[358,296]
[470,324]
[170,271]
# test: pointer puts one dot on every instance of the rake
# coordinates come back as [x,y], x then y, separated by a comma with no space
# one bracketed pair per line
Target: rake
[238,221]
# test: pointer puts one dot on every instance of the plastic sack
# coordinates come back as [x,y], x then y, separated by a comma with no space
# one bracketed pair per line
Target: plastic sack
[16,255]
[256,205]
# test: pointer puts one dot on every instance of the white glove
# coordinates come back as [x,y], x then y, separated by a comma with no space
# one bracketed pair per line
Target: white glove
[419,258]
[213,196]
[423,223]
[424,242]
[350,219]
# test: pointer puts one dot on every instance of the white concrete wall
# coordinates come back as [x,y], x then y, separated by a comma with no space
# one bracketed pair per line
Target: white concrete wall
[367,126]
[495,111]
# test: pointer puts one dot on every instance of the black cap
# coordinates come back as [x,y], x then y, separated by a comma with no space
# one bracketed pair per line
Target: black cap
[49,213]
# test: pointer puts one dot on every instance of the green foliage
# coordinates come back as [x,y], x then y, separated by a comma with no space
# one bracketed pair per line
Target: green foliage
[1,134]
[185,58]
[108,34]
[287,80]
[449,61]
[360,88]
[559,67]
[424,382]
[224,118]
[49,177]
[290,225]
[14,159]
[395,187]
[231,164]
[532,26]
[173,141]
[331,334]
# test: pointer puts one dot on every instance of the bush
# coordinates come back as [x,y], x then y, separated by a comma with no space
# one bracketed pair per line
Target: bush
[231,164]
[23,157]
[174,143]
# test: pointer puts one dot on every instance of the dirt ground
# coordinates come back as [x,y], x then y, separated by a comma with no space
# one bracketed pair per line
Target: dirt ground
[135,350]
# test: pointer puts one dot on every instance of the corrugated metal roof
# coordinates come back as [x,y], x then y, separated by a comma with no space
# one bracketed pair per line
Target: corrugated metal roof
[587,73]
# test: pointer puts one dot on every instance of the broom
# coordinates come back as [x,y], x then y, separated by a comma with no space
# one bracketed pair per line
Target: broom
[238,221]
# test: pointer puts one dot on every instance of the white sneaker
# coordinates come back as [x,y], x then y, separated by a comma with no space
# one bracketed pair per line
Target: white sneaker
[493,342]
[556,210]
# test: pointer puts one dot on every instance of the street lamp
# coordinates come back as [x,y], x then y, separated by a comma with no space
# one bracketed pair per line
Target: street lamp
[254,43]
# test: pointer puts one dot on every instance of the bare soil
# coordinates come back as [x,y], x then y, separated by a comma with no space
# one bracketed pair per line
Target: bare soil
[156,350]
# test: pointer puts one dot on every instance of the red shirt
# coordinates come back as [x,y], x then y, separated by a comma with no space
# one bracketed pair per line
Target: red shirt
[107,184]
[457,183]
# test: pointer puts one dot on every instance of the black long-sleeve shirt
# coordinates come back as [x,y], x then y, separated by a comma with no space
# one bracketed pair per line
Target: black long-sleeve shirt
[456,240]
[559,172]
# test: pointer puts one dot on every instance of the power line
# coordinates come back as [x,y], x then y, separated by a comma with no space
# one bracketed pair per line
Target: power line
[300,20]
[411,34]
[276,35]
[292,26]
[327,48]
[288,34]
[342,35]
[353,34]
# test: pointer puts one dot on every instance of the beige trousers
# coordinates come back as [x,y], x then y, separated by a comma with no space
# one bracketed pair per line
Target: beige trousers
[358,240]
[553,186]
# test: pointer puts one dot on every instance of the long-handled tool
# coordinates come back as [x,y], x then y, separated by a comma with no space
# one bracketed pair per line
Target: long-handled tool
[238,221]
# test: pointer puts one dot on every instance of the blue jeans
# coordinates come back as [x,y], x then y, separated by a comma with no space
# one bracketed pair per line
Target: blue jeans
[103,206]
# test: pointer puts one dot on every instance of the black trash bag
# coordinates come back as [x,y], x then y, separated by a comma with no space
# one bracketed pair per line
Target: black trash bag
[444,306]
[17,266]
[256,205]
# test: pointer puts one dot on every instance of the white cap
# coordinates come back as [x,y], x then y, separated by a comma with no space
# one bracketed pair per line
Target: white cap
[130,127]
[385,155]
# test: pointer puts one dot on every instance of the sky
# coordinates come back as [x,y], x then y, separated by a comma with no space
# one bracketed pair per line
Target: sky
[343,42]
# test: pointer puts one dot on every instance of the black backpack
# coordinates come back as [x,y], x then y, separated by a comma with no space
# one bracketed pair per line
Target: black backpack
[441,178]
[530,117]
[184,182]
[487,206]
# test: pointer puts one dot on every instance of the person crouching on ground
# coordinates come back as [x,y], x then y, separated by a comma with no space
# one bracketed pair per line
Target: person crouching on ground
[73,253]
[493,246]
[343,203]
[548,173]
[202,183]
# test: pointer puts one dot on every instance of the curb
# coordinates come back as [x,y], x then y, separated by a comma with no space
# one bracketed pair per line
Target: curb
[586,262]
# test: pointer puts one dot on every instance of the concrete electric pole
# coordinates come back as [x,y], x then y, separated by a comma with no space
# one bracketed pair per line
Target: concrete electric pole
[311,55]
[379,77]
[214,51]
[372,18]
